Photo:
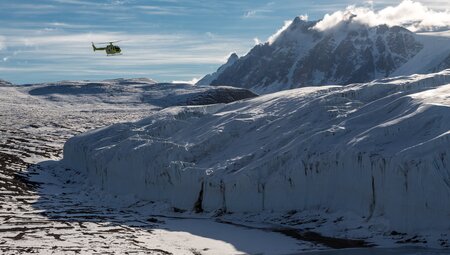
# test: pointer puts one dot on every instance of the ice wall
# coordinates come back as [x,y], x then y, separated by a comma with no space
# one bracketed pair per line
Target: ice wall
[379,149]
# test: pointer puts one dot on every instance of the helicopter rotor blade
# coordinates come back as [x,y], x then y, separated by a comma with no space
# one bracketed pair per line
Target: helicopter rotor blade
[109,42]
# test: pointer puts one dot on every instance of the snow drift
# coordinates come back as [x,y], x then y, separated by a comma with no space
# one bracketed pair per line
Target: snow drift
[379,149]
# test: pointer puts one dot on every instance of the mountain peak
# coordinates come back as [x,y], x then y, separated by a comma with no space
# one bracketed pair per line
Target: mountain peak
[297,20]
[301,55]
[232,58]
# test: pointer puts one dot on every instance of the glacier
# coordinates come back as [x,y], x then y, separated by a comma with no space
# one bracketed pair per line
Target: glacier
[378,149]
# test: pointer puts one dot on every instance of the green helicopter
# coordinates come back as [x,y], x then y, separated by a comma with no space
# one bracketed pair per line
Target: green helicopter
[111,49]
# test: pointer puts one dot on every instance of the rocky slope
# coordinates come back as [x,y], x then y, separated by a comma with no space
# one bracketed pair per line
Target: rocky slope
[209,78]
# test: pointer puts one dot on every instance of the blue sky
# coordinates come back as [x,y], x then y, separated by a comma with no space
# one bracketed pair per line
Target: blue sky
[165,40]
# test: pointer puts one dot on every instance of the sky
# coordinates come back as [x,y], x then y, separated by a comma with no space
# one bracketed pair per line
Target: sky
[165,40]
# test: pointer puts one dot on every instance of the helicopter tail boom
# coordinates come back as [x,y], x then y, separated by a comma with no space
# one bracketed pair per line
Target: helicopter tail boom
[96,48]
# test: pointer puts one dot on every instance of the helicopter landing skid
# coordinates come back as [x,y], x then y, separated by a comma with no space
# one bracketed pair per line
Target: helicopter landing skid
[112,55]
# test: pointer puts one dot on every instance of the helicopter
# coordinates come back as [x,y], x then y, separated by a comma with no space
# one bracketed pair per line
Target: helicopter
[111,50]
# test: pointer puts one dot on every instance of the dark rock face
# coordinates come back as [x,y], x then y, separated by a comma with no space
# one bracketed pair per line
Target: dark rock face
[78,89]
[361,56]
[137,91]
[445,64]
[184,94]
[220,95]
[304,56]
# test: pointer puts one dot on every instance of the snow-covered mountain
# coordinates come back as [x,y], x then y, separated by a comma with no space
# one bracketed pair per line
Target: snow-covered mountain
[302,55]
[377,149]
[209,78]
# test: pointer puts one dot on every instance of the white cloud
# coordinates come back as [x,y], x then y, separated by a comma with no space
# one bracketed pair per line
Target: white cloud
[273,37]
[33,6]
[249,14]
[259,12]
[256,40]
[412,15]
[77,2]
[210,35]
[287,23]
[160,10]
[192,82]
[2,43]
[63,25]
[120,2]
[304,17]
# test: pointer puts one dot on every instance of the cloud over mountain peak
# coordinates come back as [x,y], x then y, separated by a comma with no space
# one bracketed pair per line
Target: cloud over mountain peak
[412,15]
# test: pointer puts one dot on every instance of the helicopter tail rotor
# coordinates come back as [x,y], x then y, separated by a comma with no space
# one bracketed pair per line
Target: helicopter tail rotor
[93,47]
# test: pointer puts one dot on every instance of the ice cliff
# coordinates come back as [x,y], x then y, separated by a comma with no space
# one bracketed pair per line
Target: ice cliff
[379,149]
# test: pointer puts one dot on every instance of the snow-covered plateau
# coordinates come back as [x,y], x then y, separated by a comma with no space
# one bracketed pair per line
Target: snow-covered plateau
[377,150]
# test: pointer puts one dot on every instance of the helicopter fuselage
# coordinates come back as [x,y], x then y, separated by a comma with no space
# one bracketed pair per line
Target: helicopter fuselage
[112,49]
